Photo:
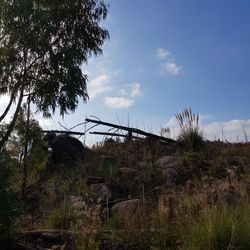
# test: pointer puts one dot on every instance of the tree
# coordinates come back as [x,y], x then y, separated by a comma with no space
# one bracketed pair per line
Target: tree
[26,144]
[43,43]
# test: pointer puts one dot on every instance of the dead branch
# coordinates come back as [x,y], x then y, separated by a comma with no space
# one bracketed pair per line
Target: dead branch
[132,130]
[63,132]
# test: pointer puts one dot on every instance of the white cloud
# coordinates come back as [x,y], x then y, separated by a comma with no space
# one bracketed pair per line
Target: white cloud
[99,85]
[135,90]
[126,97]
[232,130]
[162,53]
[171,68]
[132,90]
[118,102]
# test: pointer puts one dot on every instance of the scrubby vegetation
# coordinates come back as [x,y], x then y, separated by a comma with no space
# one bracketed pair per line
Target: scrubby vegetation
[131,194]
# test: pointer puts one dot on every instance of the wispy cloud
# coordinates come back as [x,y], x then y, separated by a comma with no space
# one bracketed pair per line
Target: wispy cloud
[169,67]
[162,53]
[125,98]
[118,102]
[135,90]
[132,90]
[99,85]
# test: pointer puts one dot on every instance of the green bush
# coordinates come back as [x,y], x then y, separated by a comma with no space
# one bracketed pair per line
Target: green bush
[9,204]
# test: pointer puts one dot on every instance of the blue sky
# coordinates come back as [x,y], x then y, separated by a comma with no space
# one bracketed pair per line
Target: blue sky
[166,55]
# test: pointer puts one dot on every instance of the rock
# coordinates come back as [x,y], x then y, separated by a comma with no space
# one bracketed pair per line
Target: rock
[171,177]
[100,191]
[168,162]
[65,148]
[169,166]
[128,206]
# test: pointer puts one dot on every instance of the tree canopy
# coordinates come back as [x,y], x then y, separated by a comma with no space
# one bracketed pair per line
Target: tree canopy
[43,43]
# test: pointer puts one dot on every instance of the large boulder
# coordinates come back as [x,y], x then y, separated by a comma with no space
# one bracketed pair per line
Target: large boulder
[65,148]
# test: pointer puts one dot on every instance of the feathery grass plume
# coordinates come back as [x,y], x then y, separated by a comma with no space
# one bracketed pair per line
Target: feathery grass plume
[190,137]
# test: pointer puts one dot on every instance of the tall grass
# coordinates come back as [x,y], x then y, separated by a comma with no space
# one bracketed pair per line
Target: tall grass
[218,228]
[190,138]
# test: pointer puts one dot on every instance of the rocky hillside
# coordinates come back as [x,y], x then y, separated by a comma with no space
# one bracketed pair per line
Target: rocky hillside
[141,194]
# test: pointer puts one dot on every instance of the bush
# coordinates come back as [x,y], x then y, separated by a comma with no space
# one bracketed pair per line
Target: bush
[9,204]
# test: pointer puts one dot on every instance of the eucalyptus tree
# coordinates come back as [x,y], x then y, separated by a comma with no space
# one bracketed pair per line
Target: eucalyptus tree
[43,44]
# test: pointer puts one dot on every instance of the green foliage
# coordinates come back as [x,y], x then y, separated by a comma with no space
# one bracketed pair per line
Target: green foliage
[43,44]
[190,138]
[61,218]
[42,47]
[33,162]
[9,205]
[192,163]
[220,229]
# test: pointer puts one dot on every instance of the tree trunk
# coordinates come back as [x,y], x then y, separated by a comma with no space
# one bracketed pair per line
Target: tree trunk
[7,108]
[12,124]
[25,153]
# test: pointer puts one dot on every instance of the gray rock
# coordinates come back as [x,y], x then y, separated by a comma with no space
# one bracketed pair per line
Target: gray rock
[168,162]
[128,206]
[169,166]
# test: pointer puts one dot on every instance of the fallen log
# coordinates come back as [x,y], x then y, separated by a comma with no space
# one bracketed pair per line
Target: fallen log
[132,130]
[113,134]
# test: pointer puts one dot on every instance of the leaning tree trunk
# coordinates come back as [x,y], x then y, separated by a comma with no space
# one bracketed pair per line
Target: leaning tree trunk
[25,153]
[7,108]
[5,137]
